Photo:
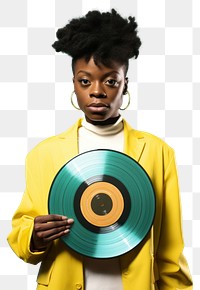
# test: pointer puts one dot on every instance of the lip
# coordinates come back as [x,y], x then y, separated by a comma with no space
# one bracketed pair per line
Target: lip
[98,105]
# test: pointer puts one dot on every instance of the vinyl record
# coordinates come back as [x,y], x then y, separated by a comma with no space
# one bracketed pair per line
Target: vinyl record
[111,199]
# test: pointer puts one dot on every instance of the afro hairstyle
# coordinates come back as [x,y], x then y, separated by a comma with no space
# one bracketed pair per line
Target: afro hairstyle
[105,36]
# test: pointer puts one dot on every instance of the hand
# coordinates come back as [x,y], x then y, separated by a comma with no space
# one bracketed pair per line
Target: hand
[48,228]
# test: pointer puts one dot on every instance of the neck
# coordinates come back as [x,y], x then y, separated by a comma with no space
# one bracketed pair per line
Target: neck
[103,123]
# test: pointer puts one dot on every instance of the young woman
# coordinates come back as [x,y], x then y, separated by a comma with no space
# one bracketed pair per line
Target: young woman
[101,45]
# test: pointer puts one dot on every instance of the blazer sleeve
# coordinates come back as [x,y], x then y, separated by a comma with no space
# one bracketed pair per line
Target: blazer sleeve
[173,269]
[32,205]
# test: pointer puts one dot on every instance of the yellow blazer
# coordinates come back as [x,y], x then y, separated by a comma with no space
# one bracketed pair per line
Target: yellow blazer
[157,263]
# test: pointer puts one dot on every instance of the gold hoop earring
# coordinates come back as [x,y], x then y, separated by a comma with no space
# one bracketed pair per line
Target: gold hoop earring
[72,102]
[129,100]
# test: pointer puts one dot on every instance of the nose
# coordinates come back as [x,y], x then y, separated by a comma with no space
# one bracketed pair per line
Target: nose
[97,91]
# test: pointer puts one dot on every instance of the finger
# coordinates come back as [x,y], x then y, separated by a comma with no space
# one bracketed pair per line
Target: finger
[52,218]
[49,234]
[70,221]
[51,225]
[49,218]
[56,236]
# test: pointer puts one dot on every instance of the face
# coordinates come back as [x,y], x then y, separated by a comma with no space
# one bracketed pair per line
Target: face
[99,89]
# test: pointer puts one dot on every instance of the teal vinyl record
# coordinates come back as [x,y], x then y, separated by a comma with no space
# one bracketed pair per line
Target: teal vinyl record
[111,199]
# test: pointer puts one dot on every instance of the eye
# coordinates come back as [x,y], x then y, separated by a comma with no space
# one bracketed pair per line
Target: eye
[84,82]
[112,82]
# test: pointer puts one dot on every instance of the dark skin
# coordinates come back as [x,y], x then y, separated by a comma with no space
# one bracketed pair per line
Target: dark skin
[48,228]
[99,90]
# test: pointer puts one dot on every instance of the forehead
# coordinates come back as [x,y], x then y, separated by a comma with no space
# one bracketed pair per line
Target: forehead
[91,67]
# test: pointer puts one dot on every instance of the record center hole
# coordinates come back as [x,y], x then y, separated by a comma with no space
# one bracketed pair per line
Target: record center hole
[101,204]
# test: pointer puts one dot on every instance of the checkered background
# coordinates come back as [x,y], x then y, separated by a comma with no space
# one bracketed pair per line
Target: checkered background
[35,88]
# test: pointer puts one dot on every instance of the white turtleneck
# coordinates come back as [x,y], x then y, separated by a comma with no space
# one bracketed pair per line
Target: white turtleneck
[101,137]
[104,274]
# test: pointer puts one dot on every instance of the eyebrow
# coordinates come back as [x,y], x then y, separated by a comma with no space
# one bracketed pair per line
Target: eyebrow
[105,75]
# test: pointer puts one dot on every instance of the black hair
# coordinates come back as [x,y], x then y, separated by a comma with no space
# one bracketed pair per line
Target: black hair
[105,36]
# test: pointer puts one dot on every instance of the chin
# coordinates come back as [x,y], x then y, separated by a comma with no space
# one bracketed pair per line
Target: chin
[98,119]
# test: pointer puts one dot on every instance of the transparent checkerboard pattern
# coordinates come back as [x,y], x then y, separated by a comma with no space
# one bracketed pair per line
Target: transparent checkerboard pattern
[35,88]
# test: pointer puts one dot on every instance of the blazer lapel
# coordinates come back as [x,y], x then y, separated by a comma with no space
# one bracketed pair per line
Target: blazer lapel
[69,144]
[134,142]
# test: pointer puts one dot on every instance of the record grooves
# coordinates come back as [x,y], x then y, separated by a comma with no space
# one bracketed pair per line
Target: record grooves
[111,199]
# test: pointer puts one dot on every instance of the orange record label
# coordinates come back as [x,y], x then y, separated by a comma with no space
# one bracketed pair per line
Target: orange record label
[102,204]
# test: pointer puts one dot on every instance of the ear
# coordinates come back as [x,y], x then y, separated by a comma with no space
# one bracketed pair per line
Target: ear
[125,86]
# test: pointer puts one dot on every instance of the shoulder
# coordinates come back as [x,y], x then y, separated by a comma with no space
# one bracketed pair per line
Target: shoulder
[152,142]
[53,143]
